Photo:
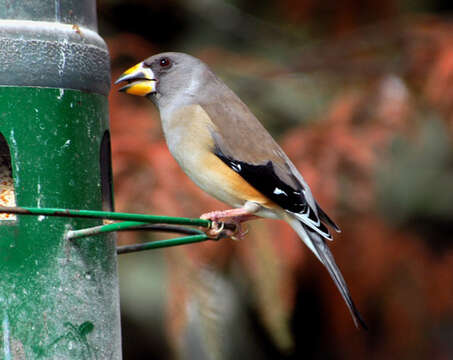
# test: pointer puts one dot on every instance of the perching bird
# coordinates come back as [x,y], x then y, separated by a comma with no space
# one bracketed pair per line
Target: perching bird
[226,151]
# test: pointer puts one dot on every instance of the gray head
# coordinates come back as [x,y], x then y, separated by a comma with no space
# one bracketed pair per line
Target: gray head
[166,76]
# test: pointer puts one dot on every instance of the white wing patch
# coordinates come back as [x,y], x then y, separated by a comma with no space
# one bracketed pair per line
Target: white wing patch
[317,226]
[236,167]
[278,191]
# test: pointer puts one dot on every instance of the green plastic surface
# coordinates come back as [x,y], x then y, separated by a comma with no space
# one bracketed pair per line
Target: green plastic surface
[58,299]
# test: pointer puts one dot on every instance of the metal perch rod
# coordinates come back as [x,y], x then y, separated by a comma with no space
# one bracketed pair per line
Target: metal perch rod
[109,215]
[134,222]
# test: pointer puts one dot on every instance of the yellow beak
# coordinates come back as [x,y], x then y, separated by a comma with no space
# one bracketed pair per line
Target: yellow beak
[140,79]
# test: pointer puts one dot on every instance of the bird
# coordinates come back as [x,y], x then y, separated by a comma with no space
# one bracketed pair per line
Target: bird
[220,144]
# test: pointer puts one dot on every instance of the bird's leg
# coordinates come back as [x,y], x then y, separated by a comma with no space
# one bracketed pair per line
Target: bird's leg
[236,215]
[231,216]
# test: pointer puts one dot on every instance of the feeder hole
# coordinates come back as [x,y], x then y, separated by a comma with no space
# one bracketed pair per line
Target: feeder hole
[7,191]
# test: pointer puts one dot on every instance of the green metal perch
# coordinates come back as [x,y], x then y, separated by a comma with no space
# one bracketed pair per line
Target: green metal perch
[133,222]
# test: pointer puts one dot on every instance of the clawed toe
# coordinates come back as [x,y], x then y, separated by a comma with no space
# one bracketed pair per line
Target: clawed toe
[232,230]
[227,223]
[219,230]
[215,229]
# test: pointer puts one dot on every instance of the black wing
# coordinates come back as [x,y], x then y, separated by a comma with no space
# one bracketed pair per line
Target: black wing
[264,179]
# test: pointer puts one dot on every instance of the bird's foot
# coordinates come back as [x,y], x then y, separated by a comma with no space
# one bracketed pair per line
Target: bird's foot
[240,232]
[233,217]
[217,230]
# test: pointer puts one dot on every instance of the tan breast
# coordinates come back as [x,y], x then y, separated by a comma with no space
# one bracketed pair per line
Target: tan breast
[188,134]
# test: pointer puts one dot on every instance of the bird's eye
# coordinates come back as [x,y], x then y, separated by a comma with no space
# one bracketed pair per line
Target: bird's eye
[164,62]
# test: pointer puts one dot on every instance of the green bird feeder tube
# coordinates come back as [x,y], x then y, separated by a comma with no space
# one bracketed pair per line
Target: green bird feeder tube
[58,298]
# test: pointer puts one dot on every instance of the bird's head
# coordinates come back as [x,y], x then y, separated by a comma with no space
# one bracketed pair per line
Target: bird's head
[164,76]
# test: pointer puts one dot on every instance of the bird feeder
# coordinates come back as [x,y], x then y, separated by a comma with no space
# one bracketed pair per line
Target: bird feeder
[58,298]
[58,269]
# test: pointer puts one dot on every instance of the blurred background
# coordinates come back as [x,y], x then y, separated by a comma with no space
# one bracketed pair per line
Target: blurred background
[360,96]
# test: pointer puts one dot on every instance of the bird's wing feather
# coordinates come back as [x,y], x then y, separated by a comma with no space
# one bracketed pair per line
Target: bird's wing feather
[264,179]
[241,136]
[245,146]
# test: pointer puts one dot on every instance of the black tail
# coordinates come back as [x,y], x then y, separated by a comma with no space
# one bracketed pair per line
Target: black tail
[326,257]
